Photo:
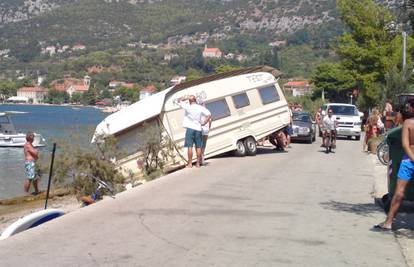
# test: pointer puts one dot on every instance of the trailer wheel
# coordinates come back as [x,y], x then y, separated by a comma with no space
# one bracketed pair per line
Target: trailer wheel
[240,149]
[250,145]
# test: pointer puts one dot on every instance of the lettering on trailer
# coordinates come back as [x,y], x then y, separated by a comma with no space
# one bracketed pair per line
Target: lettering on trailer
[200,97]
[258,77]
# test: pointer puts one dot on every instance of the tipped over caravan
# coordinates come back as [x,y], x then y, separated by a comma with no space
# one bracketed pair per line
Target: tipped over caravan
[246,105]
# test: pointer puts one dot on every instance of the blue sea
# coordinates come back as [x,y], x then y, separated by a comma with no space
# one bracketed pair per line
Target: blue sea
[55,124]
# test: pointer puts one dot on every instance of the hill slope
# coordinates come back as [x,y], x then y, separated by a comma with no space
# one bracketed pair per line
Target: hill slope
[101,23]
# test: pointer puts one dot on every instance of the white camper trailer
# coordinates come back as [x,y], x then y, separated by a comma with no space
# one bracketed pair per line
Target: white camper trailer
[246,105]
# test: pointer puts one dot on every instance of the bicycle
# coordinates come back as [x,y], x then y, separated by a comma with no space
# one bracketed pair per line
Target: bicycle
[90,199]
[329,141]
[383,151]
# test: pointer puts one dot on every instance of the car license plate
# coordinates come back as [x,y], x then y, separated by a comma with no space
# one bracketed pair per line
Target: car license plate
[344,132]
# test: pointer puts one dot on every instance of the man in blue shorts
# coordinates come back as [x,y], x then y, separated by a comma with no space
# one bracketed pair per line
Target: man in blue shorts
[195,117]
[31,155]
[406,171]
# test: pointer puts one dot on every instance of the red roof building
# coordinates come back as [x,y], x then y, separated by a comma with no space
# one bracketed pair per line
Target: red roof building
[129,85]
[78,47]
[212,52]
[36,94]
[71,85]
[298,88]
[147,91]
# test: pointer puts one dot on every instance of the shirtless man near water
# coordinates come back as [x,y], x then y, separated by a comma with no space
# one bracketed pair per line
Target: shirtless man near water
[30,155]
[406,171]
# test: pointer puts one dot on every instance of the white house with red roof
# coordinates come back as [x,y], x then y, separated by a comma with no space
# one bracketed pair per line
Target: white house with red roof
[36,93]
[298,88]
[212,52]
[77,88]
[147,91]
[78,47]
[51,50]
[177,79]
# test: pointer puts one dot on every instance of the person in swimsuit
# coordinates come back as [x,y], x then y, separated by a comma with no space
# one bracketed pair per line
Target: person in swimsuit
[406,171]
[371,129]
[31,155]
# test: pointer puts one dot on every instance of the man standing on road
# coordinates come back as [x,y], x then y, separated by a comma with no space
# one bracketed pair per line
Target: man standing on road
[205,129]
[405,173]
[388,115]
[193,123]
[30,155]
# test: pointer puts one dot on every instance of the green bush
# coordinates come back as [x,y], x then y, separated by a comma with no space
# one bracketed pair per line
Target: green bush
[76,161]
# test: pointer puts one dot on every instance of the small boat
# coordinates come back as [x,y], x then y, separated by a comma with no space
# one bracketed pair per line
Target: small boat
[30,221]
[9,137]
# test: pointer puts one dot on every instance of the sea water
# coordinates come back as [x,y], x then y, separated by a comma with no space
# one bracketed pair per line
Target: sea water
[54,123]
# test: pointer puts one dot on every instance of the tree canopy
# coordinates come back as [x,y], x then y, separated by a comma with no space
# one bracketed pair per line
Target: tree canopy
[369,51]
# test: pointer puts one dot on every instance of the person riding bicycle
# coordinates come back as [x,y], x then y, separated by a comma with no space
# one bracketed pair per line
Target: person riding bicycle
[329,125]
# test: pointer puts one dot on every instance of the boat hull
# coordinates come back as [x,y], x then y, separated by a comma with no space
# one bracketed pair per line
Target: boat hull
[30,221]
[18,140]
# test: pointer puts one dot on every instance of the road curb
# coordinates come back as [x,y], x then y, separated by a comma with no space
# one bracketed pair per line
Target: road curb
[380,186]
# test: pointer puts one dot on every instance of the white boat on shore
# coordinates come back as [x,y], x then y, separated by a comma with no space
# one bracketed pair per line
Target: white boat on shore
[9,137]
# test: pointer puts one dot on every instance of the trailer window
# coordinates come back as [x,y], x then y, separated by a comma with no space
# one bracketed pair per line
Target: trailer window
[269,95]
[240,100]
[219,109]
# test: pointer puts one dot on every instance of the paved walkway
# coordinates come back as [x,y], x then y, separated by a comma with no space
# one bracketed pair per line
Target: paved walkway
[301,208]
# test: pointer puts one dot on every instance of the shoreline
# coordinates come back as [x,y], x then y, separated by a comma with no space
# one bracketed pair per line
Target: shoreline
[103,109]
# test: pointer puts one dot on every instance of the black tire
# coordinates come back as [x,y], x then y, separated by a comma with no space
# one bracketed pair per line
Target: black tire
[241,150]
[313,138]
[358,137]
[349,137]
[310,140]
[383,153]
[250,145]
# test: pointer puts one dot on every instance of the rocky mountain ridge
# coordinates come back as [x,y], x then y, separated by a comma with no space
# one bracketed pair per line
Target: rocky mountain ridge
[26,24]
[269,15]
[19,10]
[278,16]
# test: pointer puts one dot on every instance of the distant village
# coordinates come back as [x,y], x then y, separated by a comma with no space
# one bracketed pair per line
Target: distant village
[37,94]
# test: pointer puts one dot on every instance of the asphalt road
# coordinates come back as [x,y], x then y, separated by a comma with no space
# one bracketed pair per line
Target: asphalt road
[301,208]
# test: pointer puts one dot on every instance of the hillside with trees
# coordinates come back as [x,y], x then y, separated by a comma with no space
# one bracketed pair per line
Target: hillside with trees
[148,42]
